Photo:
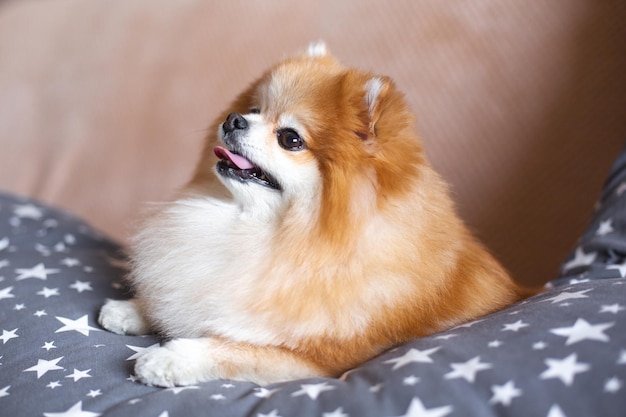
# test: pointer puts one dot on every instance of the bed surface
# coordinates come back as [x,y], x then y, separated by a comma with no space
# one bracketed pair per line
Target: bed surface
[560,353]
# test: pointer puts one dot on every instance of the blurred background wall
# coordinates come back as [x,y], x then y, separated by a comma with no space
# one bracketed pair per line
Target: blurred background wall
[521,105]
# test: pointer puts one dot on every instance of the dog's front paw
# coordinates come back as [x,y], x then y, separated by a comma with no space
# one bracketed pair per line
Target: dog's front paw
[122,317]
[171,365]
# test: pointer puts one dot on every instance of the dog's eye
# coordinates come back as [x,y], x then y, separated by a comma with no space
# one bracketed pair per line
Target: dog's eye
[255,110]
[290,140]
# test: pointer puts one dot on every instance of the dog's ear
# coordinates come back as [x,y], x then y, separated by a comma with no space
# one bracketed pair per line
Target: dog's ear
[317,49]
[377,90]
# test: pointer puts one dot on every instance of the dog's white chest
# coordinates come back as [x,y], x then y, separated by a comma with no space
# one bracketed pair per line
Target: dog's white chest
[193,262]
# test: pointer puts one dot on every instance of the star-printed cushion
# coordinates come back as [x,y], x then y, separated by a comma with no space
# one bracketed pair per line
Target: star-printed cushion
[561,353]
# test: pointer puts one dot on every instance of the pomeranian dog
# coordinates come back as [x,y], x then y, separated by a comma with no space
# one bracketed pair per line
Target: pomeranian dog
[313,236]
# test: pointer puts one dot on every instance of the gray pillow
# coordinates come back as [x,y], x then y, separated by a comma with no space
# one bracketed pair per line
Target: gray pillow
[561,353]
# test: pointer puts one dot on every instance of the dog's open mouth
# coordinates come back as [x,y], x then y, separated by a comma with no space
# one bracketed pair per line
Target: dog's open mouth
[236,166]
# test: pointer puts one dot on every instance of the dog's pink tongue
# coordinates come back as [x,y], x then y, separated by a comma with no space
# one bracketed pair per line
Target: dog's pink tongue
[239,161]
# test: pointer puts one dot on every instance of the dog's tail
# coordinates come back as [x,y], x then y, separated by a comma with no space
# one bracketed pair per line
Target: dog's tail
[527,292]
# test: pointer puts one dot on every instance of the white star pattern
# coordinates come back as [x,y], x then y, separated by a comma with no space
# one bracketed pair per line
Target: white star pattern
[515,327]
[38,271]
[417,409]
[4,392]
[555,411]
[81,286]
[265,393]
[49,292]
[566,295]
[504,394]
[44,366]
[580,259]
[42,249]
[6,293]
[467,370]
[622,358]
[605,228]
[564,369]
[413,355]
[54,384]
[613,308]
[8,335]
[70,262]
[60,247]
[583,330]
[313,390]
[410,380]
[94,393]
[4,243]
[613,385]
[75,411]
[28,211]
[48,345]
[376,388]
[78,375]
[79,325]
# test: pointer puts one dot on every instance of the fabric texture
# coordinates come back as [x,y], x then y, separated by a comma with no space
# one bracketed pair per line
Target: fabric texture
[561,353]
[604,242]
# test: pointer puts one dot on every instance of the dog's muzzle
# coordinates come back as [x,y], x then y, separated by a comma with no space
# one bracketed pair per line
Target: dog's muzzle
[231,161]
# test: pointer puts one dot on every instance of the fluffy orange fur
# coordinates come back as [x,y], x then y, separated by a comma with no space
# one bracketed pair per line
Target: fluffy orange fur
[385,221]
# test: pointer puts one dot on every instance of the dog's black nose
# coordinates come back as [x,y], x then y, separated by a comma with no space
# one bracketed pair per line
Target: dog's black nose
[235,121]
